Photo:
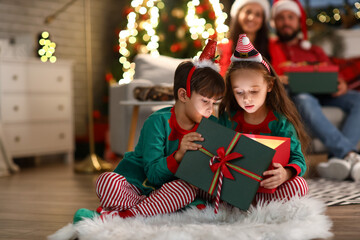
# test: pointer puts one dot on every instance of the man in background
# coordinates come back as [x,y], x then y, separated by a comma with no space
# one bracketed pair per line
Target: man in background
[289,19]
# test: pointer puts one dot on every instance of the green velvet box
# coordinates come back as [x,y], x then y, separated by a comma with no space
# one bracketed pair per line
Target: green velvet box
[195,166]
[313,79]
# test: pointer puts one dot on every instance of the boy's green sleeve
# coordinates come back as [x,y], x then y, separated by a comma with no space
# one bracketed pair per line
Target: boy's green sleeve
[159,166]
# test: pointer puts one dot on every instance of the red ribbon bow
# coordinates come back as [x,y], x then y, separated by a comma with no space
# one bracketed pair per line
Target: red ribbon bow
[222,160]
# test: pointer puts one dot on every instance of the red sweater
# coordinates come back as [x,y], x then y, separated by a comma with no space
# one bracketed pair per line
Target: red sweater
[281,53]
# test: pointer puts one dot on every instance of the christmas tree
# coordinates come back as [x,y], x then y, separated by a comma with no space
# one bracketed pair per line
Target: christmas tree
[172,28]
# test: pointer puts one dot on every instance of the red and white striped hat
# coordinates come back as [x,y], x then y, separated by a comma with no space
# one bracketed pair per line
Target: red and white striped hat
[206,59]
[245,51]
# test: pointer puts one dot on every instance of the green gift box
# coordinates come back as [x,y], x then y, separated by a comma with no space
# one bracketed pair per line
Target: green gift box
[238,158]
[316,79]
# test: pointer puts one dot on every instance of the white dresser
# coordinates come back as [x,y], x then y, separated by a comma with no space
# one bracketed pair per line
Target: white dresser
[36,107]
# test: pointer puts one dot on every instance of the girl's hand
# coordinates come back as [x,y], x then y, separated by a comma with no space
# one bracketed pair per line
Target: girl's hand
[187,143]
[279,175]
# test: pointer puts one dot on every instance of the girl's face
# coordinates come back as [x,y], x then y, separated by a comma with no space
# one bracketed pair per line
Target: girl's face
[251,18]
[250,89]
[199,106]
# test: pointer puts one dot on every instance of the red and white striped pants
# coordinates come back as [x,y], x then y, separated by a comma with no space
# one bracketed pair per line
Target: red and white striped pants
[295,187]
[116,194]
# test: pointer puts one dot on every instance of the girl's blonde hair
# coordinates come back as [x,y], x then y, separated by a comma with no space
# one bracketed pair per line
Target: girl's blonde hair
[276,100]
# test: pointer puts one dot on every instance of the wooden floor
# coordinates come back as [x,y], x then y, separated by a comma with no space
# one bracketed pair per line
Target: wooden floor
[41,199]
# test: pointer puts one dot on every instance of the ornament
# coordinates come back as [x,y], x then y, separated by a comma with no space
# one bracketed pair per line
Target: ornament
[199,9]
[197,43]
[116,48]
[172,28]
[212,15]
[176,47]
[108,77]
[126,11]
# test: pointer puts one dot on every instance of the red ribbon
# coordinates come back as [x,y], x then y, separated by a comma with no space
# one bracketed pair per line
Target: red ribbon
[222,160]
[222,167]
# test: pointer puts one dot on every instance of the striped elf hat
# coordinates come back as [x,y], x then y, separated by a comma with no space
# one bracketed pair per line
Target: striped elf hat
[245,51]
[206,59]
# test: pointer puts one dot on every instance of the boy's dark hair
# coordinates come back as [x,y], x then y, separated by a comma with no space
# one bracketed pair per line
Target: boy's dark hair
[204,81]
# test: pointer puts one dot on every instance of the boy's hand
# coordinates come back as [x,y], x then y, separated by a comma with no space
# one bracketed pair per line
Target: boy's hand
[187,143]
[279,175]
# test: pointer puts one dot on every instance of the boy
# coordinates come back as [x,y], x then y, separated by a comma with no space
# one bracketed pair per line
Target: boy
[144,183]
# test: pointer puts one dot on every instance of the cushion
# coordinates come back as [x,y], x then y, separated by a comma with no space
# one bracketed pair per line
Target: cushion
[156,69]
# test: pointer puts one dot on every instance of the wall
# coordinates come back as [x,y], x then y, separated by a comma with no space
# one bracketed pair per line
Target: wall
[26,18]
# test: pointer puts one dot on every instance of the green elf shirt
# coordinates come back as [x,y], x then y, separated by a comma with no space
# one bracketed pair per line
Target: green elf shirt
[152,163]
[275,124]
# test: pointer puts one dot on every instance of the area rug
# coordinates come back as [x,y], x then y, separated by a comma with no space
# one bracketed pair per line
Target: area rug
[334,193]
[298,219]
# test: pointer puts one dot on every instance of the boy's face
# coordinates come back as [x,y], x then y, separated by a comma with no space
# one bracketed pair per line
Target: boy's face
[199,106]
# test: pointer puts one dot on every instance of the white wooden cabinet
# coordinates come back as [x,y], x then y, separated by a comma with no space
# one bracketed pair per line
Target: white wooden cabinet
[36,107]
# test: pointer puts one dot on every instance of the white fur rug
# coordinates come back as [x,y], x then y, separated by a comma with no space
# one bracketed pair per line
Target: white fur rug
[297,219]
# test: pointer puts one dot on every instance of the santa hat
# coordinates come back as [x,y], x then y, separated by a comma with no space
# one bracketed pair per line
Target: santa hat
[296,7]
[206,59]
[245,51]
[238,4]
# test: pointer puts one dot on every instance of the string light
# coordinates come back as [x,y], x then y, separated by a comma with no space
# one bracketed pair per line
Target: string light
[198,28]
[129,34]
[46,52]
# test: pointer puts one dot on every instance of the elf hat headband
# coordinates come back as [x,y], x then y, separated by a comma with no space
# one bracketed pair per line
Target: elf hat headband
[206,59]
[295,7]
[245,51]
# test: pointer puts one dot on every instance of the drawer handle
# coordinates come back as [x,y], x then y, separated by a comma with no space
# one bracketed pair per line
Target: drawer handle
[62,135]
[16,108]
[15,77]
[17,139]
[59,78]
[61,107]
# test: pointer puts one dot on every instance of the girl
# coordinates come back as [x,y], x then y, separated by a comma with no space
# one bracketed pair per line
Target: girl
[248,17]
[255,102]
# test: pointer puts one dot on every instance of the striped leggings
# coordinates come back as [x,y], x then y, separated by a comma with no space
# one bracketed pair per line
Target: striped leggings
[295,187]
[116,194]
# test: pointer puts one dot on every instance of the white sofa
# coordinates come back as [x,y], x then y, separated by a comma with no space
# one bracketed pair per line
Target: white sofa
[149,71]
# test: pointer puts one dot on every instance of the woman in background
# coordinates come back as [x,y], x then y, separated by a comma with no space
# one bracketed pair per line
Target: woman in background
[249,17]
